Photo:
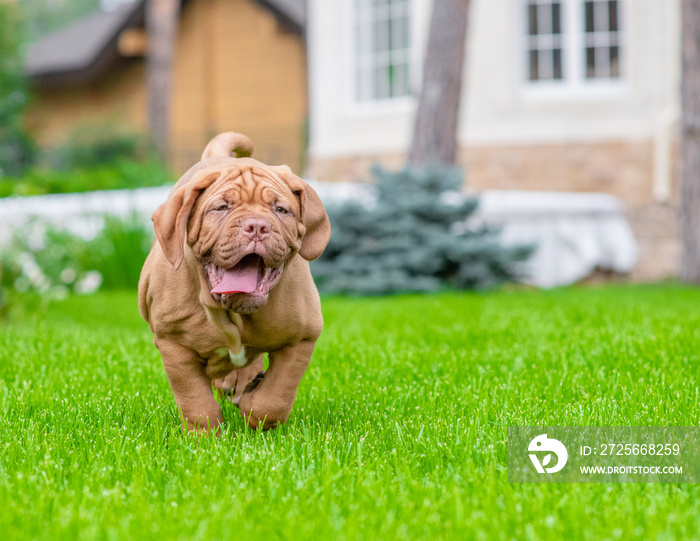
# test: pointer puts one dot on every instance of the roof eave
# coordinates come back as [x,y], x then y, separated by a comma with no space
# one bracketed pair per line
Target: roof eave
[293,20]
[101,62]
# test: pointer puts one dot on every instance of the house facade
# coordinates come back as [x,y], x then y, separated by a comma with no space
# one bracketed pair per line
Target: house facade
[238,65]
[565,95]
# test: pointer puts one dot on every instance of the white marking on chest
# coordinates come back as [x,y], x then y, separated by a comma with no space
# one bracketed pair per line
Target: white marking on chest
[238,360]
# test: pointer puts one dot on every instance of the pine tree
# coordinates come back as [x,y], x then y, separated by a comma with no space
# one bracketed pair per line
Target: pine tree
[416,238]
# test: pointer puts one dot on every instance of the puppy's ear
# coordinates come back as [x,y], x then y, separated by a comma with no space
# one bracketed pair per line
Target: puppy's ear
[316,228]
[170,219]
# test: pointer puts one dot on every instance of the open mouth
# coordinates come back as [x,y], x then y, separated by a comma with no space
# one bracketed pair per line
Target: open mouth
[249,276]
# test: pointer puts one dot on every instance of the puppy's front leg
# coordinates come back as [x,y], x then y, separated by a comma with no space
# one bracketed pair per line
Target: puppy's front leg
[191,387]
[273,399]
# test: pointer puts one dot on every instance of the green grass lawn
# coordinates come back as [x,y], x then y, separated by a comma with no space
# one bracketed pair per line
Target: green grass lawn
[399,429]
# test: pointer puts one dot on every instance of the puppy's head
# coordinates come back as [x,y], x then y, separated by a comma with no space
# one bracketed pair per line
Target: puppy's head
[240,221]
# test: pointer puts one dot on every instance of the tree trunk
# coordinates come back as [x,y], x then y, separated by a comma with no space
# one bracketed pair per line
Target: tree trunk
[690,184]
[435,132]
[161,25]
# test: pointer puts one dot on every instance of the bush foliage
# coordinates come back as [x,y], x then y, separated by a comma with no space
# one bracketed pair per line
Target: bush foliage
[93,157]
[91,146]
[416,238]
[123,174]
[55,262]
[16,147]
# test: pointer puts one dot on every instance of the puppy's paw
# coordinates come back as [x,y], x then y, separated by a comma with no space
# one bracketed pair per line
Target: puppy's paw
[225,388]
[263,412]
[253,383]
[234,393]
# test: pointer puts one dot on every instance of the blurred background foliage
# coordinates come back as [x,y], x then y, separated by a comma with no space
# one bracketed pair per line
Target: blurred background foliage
[93,157]
[54,262]
[122,174]
[16,146]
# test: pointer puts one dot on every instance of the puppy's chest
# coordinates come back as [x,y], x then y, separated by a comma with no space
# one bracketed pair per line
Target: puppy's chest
[230,337]
[266,338]
[218,351]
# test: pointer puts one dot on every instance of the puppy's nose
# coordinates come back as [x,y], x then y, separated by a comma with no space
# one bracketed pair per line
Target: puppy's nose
[256,228]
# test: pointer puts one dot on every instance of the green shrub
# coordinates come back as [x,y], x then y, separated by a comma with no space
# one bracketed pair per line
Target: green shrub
[92,158]
[91,146]
[119,251]
[124,174]
[414,239]
[45,261]
[16,147]
[54,262]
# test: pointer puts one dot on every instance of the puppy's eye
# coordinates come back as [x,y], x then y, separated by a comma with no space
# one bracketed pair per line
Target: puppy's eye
[281,210]
[220,208]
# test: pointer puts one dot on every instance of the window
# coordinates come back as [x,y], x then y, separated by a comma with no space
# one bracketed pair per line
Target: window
[602,39]
[573,42]
[383,49]
[544,40]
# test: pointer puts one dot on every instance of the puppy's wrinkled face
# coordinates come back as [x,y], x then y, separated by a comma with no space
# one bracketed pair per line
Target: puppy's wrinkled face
[242,230]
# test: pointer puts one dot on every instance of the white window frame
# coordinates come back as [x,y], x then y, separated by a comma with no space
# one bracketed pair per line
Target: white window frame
[353,104]
[574,83]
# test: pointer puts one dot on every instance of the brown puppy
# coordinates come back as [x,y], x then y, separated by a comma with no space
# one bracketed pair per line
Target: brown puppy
[228,280]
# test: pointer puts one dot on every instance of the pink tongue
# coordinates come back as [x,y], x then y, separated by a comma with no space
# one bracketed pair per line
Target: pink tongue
[243,278]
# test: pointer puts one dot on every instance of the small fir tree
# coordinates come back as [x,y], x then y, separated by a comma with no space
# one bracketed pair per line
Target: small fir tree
[415,238]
